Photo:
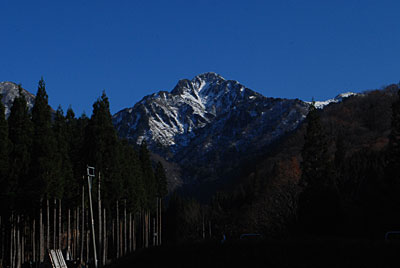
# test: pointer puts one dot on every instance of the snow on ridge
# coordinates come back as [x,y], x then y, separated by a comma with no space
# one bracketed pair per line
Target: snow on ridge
[338,98]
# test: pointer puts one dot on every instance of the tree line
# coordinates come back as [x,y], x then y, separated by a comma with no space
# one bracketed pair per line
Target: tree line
[44,156]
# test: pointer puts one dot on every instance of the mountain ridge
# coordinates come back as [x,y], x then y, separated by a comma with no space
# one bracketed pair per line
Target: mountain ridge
[9,91]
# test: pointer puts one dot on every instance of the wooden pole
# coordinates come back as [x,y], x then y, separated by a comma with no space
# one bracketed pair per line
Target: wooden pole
[92,222]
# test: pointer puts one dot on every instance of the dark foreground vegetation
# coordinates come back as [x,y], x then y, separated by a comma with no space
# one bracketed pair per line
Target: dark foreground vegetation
[44,200]
[337,175]
[318,252]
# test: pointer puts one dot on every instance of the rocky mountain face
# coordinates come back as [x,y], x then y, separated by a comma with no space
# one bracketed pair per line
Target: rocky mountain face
[207,125]
[9,91]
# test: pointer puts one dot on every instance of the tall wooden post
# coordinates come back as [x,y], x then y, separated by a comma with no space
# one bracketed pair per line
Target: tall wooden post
[92,217]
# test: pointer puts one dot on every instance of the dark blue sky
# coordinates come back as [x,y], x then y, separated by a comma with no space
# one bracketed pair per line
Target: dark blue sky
[291,49]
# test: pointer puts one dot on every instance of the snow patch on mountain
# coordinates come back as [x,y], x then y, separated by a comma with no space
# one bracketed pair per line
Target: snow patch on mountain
[338,98]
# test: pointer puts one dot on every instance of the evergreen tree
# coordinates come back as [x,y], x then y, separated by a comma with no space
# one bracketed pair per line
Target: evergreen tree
[62,159]
[132,177]
[20,135]
[74,136]
[319,208]
[43,168]
[101,148]
[4,151]
[161,179]
[315,156]
[150,184]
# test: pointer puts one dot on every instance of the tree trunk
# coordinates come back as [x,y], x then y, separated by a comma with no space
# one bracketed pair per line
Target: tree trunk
[87,245]
[33,241]
[87,236]
[22,235]
[125,234]
[160,223]
[209,228]
[41,231]
[113,238]
[69,232]
[133,233]
[54,223]
[130,232]
[203,229]
[48,225]
[120,238]
[147,228]
[13,246]
[11,241]
[100,221]
[141,228]
[117,230]
[74,233]
[59,224]
[83,222]
[77,234]
[105,244]
[18,245]
[153,232]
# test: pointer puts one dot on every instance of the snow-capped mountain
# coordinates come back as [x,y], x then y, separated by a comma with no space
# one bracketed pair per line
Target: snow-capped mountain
[9,91]
[178,118]
[208,121]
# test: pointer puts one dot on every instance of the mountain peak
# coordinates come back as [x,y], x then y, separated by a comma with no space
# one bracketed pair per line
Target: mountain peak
[209,77]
